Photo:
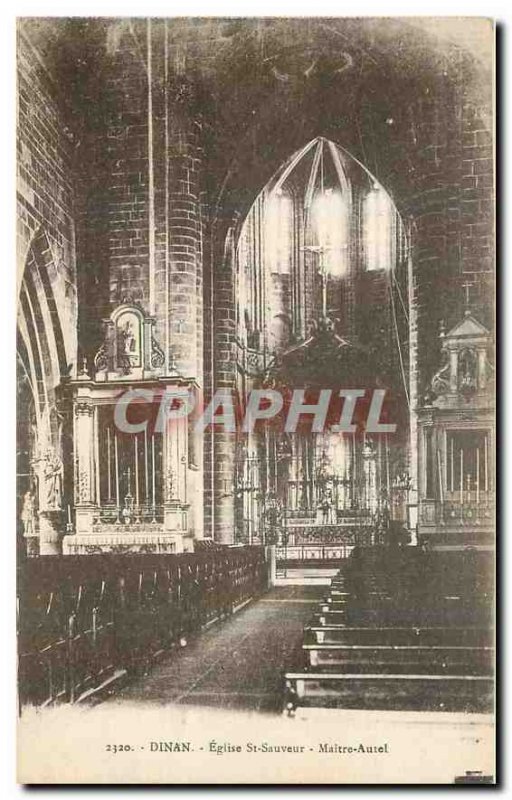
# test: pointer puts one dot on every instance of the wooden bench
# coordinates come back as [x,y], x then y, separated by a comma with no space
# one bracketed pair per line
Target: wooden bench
[477,660]
[467,693]
[410,635]
[393,616]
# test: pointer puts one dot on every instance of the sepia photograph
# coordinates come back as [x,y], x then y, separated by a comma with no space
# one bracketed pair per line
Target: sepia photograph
[255,400]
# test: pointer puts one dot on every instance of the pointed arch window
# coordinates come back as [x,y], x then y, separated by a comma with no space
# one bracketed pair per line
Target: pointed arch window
[378,230]
[330,222]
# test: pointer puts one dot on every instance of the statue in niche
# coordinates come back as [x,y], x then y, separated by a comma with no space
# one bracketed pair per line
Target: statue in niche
[128,342]
[467,371]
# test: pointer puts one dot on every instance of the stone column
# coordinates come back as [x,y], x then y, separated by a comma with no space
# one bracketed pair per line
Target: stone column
[174,461]
[180,302]
[224,480]
[453,370]
[48,469]
[84,460]
[413,492]
[482,368]
[225,355]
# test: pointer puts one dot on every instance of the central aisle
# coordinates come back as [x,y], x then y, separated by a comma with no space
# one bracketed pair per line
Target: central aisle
[235,664]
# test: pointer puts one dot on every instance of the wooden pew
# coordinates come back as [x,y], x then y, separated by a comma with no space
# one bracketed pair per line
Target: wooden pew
[433,658]
[477,636]
[467,693]
[393,616]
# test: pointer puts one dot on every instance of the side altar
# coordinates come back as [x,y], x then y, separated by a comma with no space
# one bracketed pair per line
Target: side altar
[136,483]
[457,442]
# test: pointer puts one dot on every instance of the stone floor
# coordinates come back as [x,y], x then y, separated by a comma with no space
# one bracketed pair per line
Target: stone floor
[235,664]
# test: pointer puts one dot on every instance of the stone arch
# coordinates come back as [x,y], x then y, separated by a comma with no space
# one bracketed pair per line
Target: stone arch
[43,370]
[228,337]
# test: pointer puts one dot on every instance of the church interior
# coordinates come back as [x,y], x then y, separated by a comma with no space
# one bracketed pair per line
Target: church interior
[237,205]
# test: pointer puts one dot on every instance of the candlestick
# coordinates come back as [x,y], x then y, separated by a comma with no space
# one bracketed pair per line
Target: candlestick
[452,482]
[116,459]
[440,474]
[380,471]
[136,471]
[353,470]
[478,476]
[388,483]
[485,466]
[109,475]
[153,471]
[97,481]
[462,477]
[146,469]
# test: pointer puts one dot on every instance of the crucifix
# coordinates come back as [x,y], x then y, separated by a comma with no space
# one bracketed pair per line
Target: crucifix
[322,270]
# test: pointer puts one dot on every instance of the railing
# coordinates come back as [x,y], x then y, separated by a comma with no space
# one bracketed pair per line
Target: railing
[434,512]
[305,553]
[364,536]
[85,621]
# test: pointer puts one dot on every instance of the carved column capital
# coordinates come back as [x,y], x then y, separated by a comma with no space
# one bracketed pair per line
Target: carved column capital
[84,408]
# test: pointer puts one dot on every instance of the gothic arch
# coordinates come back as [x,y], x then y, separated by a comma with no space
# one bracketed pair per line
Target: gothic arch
[43,367]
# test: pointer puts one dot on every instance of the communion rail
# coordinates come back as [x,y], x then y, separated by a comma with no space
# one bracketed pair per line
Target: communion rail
[86,622]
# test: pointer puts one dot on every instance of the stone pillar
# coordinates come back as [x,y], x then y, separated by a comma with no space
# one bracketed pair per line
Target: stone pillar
[224,484]
[175,489]
[184,249]
[454,368]
[48,469]
[50,539]
[84,460]
[482,368]
[413,493]
[225,354]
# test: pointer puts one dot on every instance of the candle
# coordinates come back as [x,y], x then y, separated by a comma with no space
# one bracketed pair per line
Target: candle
[109,476]
[69,514]
[153,468]
[146,469]
[353,471]
[440,474]
[477,476]
[116,458]
[485,466]
[388,481]
[452,483]
[97,458]
[461,477]
[136,471]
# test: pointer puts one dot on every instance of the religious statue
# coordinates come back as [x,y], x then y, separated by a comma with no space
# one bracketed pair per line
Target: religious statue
[441,381]
[128,354]
[128,337]
[50,481]
[28,515]
[467,371]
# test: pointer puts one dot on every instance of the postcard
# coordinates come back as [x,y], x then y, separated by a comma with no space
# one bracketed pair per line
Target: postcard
[256,453]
